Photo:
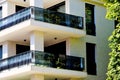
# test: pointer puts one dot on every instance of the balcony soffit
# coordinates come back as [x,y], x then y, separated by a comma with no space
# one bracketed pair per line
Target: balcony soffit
[96,2]
[46,3]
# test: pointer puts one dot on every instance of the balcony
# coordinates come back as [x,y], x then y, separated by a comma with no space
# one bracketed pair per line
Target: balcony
[38,58]
[43,15]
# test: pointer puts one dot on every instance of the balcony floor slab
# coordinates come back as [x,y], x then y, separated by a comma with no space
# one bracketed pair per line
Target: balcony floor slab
[24,73]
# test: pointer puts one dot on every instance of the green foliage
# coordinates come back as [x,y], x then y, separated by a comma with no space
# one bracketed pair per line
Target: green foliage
[113,10]
[113,13]
[114,64]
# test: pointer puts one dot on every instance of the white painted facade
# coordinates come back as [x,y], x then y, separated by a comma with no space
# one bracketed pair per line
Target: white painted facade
[38,35]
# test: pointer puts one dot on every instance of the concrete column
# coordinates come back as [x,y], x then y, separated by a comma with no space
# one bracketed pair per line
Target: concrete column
[9,49]
[68,47]
[7,9]
[67,6]
[36,3]
[37,77]
[37,41]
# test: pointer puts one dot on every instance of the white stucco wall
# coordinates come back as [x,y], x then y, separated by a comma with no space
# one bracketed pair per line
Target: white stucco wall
[75,47]
[103,30]
[75,7]
[8,8]
[9,49]
[36,3]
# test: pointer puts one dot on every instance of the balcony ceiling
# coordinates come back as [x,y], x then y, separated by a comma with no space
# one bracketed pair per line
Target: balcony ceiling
[47,3]
[52,35]
[94,1]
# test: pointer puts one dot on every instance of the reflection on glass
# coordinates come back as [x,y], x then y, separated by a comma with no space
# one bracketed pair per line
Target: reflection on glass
[42,15]
[42,59]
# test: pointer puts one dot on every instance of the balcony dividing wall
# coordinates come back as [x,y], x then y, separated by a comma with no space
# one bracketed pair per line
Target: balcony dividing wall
[37,3]
[8,8]
[14,19]
[8,49]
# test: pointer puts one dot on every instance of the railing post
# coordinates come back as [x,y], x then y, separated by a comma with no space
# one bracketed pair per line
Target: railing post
[67,20]
[32,12]
[33,57]
[80,19]
[82,64]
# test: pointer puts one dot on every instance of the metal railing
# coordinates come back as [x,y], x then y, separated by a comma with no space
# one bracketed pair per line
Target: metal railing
[43,15]
[14,19]
[39,58]
[54,17]
[16,61]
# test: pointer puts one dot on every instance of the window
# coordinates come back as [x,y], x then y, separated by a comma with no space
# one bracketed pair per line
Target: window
[0,12]
[116,23]
[0,52]
[90,56]
[18,8]
[90,26]
[21,48]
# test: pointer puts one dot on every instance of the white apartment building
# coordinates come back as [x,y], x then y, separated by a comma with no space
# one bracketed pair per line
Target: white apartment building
[53,40]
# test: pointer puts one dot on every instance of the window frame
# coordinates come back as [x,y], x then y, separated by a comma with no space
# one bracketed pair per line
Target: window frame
[91,59]
[90,27]
[1,53]
[1,12]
